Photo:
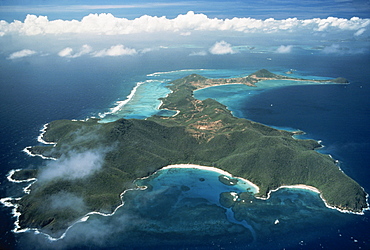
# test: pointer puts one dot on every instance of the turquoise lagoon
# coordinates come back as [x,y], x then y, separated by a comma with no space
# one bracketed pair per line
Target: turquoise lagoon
[143,101]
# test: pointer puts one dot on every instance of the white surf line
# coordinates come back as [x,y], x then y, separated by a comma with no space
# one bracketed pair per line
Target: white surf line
[26,189]
[347,211]
[8,202]
[9,176]
[120,104]
[41,140]
[40,137]
[160,105]
[27,151]
[315,190]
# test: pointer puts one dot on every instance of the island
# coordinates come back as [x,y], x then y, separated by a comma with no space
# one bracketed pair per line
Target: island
[201,132]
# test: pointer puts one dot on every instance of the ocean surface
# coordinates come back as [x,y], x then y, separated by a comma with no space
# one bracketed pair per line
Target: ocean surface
[338,115]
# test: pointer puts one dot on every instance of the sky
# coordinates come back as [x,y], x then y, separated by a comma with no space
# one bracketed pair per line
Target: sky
[278,9]
[95,29]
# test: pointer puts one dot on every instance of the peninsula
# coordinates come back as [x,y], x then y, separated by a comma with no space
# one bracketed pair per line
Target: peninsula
[202,132]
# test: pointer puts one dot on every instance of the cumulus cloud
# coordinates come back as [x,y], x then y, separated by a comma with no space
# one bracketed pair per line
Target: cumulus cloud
[221,48]
[183,24]
[116,50]
[22,53]
[68,52]
[284,49]
[73,166]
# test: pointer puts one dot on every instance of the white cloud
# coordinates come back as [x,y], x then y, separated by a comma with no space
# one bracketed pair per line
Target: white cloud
[146,50]
[22,53]
[221,48]
[85,49]
[183,24]
[334,48]
[198,53]
[360,32]
[64,200]
[73,166]
[284,49]
[116,50]
[185,33]
[68,52]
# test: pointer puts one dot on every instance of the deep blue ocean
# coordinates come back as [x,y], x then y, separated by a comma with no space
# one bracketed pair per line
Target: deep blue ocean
[35,91]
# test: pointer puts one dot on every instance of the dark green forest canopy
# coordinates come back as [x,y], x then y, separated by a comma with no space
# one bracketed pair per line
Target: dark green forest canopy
[202,132]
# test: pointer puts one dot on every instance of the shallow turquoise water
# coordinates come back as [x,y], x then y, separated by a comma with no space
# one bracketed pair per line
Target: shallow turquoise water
[144,100]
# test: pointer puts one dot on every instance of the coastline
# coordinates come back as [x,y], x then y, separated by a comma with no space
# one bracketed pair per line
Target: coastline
[7,201]
[315,190]
[26,189]
[27,151]
[86,217]
[40,137]
[296,186]
[41,140]
[217,170]
[119,104]
[161,103]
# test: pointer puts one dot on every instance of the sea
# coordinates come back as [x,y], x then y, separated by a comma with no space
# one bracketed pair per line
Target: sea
[37,90]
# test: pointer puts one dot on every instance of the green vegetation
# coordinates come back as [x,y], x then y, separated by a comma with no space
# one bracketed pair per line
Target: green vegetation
[204,133]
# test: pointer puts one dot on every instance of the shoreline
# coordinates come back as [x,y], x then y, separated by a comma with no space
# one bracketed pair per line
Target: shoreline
[40,137]
[213,169]
[26,189]
[120,104]
[160,105]
[315,190]
[41,140]
[296,186]
[27,151]
[7,202]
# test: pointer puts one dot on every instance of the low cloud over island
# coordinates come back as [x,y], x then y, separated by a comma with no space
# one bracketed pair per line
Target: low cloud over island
[73,166]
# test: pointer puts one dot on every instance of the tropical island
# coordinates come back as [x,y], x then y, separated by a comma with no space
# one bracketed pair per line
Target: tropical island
[202,132]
